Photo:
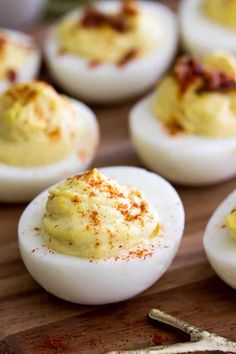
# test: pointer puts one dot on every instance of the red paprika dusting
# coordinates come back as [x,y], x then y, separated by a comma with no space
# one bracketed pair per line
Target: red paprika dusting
[131,206]
[141,253]
[174,129]
[24,92]
[94,63]
[94,181]
[61,51]
[55,134]
[94,218]
[133,211]
[75,200]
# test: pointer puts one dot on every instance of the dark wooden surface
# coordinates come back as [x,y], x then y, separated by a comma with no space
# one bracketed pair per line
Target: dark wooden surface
[33,321]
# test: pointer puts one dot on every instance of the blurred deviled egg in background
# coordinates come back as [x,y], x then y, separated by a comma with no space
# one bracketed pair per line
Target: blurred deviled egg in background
[208,25]
[18,13]
[111,50]
[220,240]
[186,130]
[44,137]
[102,236]
[19,58]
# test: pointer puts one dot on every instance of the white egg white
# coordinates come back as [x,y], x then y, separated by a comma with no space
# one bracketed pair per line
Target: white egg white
[201,35]
[30,69]
[220,247]
[182,158]
[107,82]
[107,280]
[19,184]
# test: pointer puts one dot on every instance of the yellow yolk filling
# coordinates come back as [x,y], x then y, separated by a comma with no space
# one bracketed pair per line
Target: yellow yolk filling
[114,38]
[37,125]
[231,223]
[200,98]
[222,12]
[92,216]
[13,56]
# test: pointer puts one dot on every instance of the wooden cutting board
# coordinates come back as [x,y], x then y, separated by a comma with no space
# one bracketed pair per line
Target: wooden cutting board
[33,321]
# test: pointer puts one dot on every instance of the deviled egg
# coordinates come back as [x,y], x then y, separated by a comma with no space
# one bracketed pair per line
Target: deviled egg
[102,236]
[44,137]
[208,25]
[19,58]
[186,130]
[111,50]
[220,240]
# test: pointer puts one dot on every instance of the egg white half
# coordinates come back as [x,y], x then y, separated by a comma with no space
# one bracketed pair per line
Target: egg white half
[220,247]
[106,82]
[184,158]
[105,281]
[18,184]
[30,69]
[199,34]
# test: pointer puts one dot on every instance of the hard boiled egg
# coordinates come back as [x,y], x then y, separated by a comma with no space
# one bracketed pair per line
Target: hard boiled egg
[110,52]
[43,137]
[108,266]
[202,33]
[186,131]
[219,244]
[19,58]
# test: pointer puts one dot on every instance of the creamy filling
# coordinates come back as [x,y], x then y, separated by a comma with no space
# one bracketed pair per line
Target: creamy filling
[231,223]
[222,12]
[199,98]
[116,38]
[37,125]
[93,217]
[13,56]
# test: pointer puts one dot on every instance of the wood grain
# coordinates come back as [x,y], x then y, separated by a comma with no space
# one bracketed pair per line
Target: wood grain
[30,318]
